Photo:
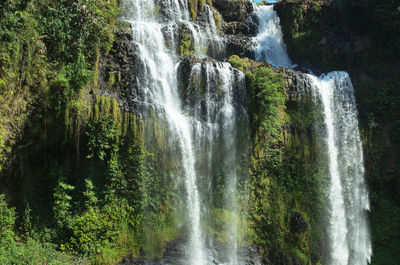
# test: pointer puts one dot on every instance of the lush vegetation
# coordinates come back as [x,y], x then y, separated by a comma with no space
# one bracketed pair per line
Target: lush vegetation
[83,181]
[285,178]
[48,52]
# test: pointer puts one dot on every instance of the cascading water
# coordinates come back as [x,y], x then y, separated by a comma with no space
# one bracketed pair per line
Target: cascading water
[270,46]
[202,131]
[348,203]
[159,82]
[221,111]
[348,233]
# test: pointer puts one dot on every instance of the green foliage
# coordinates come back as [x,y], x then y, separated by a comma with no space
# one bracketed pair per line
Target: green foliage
[77,27]
[48,50]
[101,136]
[7,217]
[62,205]
[33,252]
[103,190]
[240,63]
[90,199]
[91,231]
[268,94]
[14,251]
[284,175]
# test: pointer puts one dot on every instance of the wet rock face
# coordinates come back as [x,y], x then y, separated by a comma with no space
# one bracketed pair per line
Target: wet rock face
[234,10]
[298,84]
[117,71]
[239,45]
[247,27]
[184,70]
[240,25]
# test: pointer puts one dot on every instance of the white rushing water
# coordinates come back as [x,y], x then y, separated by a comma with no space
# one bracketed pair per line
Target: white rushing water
[349,240]
[337,220]
[347,196]
[159,83]
[201,129]
[216,119]
[270,46]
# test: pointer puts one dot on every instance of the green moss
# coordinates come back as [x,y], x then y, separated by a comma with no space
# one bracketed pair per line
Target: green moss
[156,10]
[2,85]
[185,46]
[240,63]
[193,5]
[201,5]
[111,78]
[268,94]
[96,68]
[131,126]
[104,105]
[221,221]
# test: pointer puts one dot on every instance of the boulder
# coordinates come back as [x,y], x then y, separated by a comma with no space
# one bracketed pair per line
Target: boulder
[234,10]
[297,223]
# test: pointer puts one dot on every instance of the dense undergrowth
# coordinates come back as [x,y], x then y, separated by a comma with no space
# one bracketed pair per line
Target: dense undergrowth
[71,185]
[48,52]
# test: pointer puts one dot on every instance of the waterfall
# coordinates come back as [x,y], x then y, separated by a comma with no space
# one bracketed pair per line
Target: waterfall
[347,196]
[158,80]
[220,117]
[348,231]
[203,127]
[269,41]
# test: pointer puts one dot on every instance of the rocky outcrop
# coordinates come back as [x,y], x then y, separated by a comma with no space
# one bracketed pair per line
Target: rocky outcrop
[240,45]
[297,223]
[117,72]
[234,10]
[298,84]
[239,26]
